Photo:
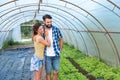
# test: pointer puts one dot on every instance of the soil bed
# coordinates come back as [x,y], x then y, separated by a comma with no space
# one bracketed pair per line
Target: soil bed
[89,76]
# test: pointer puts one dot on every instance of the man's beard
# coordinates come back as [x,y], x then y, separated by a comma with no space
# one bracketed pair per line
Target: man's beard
[48,26]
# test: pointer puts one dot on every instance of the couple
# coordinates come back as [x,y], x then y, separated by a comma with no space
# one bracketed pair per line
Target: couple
[47,49]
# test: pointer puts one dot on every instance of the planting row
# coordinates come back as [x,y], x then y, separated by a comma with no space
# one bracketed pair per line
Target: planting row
[92,65]
[69,72]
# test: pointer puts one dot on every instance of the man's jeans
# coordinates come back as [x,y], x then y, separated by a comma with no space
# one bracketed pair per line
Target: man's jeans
[52,62]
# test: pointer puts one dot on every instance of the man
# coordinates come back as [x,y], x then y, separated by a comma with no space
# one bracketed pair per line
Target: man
[52,53]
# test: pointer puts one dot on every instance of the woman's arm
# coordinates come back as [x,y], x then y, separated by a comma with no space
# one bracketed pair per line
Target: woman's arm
[46,42]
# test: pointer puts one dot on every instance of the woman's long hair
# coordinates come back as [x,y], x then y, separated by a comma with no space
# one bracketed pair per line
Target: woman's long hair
[35,29]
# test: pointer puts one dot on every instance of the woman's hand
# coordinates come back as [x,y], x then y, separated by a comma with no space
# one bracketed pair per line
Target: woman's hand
[46,33]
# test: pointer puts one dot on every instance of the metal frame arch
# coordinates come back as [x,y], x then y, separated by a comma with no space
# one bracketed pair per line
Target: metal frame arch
[113,4]
[7,3]
[106,7]
[50,4]
[67,12]
[6,34]
[35,5]
[76,12]
[13,24]
[14,15]
[32,10]
[13,19]
[112,41]
[10,11]
[17,17]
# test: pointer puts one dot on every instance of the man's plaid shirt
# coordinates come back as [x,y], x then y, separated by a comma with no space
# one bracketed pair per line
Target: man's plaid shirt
[56,34]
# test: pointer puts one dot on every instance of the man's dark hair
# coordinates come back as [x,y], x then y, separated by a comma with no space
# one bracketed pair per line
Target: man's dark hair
[47,16]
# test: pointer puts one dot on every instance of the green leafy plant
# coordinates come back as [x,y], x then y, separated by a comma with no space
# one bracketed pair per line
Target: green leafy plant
[92,65]
[9,43]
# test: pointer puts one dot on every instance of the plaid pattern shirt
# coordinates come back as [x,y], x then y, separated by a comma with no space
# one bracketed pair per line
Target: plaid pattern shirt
[56,34]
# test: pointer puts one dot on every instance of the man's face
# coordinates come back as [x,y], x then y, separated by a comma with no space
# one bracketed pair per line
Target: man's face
[48,22]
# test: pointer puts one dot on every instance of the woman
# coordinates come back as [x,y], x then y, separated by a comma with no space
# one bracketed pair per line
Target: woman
[37,60]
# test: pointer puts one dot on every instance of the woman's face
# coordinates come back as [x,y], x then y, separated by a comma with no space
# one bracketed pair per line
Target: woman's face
[40,30]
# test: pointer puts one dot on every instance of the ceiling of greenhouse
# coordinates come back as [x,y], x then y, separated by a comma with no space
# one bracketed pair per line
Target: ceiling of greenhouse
[73,14]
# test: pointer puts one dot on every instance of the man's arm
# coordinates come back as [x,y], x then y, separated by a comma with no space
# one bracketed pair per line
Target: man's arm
[61,44]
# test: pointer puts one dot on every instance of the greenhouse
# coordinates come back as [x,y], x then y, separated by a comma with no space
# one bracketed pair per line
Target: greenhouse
[91,35]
